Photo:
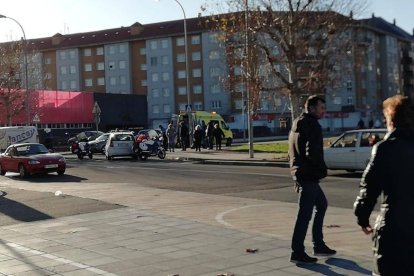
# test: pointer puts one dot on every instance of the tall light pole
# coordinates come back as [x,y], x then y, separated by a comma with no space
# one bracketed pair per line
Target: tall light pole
[25,67]
[187,67]
[247,72]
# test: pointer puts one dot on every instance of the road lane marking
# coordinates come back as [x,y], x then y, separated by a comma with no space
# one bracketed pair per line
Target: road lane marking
[59,259]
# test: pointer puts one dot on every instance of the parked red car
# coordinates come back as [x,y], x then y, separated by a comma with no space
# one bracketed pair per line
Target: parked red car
[31,158]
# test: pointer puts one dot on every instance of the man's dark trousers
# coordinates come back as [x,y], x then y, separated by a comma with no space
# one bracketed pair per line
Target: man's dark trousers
[310,196]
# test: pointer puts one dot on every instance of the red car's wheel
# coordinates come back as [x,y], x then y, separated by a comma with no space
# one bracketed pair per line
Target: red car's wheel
[2,171]
[22,171]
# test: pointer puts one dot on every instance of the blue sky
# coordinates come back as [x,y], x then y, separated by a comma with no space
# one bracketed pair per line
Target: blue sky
[43,18]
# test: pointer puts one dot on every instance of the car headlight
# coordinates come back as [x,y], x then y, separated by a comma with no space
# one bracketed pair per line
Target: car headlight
[34,162]
[62,160]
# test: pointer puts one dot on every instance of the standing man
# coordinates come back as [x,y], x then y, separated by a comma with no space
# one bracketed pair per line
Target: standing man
[307,167]
[389,176]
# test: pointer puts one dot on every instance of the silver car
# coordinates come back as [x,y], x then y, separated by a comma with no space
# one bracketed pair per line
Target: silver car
[352,150]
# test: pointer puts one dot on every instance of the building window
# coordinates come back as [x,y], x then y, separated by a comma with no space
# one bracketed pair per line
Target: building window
[122,48]
[198,105]
[164,43]
[164,60]
[87,52]
[195,39]
[213,38]
[143,51]
[112,81]
[215,104]
[238,104]
[154,61]
[337,100]
[213,55]
[155,109]
[88,67]
[100,66]
[154,77]
[214,72]
[181,74]
[73,69]
[215,88]
[88,82]
[144,83]
[72,54]
[99,51]
[165,76]
[195,56]
[182,90]
[237,71]
[180,57]
[47,61]
[48,76]
[122,64]
[180,41]
[122,80]
[62,55]
[73,84]
[197,89]
[155,93]
[153,45]
[101,81]
[350,101]
[64,85]
[63,70]
[143,67]
[166,108]
[165,92]
[111,65]
[197,73]
[112,49]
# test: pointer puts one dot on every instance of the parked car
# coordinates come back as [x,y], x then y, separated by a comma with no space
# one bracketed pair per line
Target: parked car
[120,144]
[352,150]
[82,137]
[98,145]
[31,158]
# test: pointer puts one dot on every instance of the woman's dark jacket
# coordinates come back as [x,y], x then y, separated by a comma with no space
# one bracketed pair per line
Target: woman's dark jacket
[306,149]
[390,172]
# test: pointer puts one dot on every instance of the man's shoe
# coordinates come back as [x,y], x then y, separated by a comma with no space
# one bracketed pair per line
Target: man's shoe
[323,251]
[302,258]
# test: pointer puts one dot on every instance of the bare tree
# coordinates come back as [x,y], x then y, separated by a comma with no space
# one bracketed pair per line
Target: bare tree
[292,48]
[12,94]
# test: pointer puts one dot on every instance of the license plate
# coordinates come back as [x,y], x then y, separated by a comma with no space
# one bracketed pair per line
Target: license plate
[50,166]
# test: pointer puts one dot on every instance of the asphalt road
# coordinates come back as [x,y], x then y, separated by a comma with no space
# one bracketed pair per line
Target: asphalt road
[259,182]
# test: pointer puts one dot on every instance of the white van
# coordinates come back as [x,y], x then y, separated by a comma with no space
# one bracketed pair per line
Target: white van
[17,134]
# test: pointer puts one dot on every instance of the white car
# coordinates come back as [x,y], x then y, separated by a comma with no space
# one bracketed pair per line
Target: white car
[352,150]
[120,144]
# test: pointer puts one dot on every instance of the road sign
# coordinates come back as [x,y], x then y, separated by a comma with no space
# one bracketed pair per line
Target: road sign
[96,109]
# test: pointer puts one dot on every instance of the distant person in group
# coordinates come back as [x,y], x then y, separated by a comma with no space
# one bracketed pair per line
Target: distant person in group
[360,124]
[198,136]
[307,167]
[204,138]
[161,128]
[171,136]
[183,135]
[209,134]
[377,123]
[218,135]
[390,174]
[371,123]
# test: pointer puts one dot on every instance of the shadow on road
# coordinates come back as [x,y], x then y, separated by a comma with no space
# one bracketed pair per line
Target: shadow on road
[19,211]
[326,269]
[47,178]
[346,174]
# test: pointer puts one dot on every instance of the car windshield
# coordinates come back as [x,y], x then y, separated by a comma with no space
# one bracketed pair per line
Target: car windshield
[31,149]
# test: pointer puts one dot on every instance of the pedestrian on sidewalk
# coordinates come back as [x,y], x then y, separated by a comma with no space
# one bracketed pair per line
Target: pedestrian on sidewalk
[218,136]
[390,173]
[198,135]
[307,167]
[183,135]
[209,134]
[171,135]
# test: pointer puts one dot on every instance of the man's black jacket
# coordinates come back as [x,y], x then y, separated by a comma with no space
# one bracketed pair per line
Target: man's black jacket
[390,172]
[306,149]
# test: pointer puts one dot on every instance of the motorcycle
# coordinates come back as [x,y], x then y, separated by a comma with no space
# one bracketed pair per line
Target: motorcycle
[84,149]
[147,148]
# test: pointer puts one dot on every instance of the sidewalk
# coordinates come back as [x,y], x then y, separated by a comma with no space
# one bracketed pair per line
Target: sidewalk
[164,232]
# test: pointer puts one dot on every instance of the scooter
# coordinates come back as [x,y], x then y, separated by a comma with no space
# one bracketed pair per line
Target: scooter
[84,149]
[147,148]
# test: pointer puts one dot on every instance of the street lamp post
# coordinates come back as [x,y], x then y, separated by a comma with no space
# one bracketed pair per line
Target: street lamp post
[25,67]
[187,67]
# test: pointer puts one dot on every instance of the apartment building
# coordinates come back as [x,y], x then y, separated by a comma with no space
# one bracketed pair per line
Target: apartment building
[150,60]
